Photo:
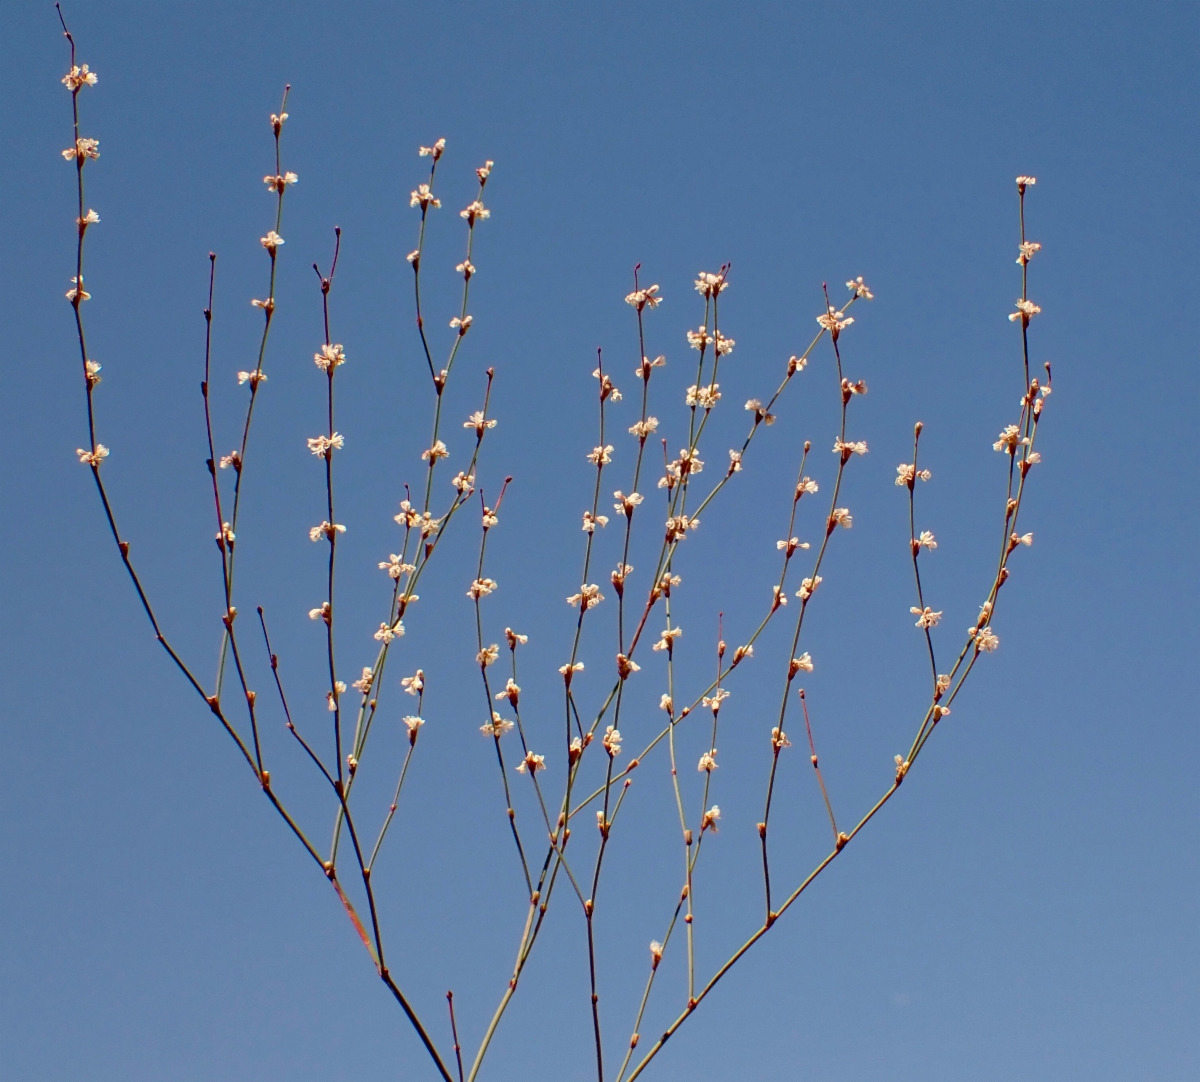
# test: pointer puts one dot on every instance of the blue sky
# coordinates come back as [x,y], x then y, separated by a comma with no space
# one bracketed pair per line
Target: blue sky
[1026,908]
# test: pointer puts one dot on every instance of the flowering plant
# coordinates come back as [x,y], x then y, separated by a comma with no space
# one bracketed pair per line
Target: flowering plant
[591,745]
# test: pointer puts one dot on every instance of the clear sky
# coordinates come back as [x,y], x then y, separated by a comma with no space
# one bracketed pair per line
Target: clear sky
[1027,906]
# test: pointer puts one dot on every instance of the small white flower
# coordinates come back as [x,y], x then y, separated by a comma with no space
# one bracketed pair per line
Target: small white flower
[531,763]
[860,288]
[324,446]
[79,77]
[644,298]
[438,450]
[667,637]
[93,457]
[488,655]
[481,588]
[926,617]
[601,456]
[271,241]
[926,540]
[330,357]
[708,762]
[498,726]
[388,632]
[364,683]
[1026,310]
[612,741]
[415,684]
[708,821]
[475,211]
[434,151]
[803,662]
[423,198]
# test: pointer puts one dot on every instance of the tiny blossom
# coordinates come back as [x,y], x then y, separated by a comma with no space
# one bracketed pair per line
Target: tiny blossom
[511,692]
[607,388]
[849,388]
[926,540]
[271,241]
[93,457]
[907,474]
[656,952]
[475,211]
[742,652]
[1033,458]
[943,683]
[388,632]
[795,364]
[678,526]
[82,150]
[322,613]
[926,617]
[666,704]
[76,291]
[488,654]
[803,662]
[463,483]
[760,414]
[588,597]
[91,218]
[78,77]
[364,683]
[841,517]
[625,667]
[779,739]
[331,700]
[834,321]
[807,486]
[252,378]
[985,639]
[514,639]
[415,684]
[846,449]
[412,724]
[1027,250]
[462,325]
[807,587]
[1026,310]
[497,727]
[590,521]
[700,338]
[330,357]
[708,821]
[713,701]
[724,345]
[489,518]
[643,370]
[941,711]
[532,763]
[860,288]
[438,450]
[626,504]
[644,298]
[268,306]
[985,613]
[709,285]
[434,151]
[423,198]
[1023,182]
[902,765]
[708,761]
[92,372]
[414,257]
[642,429]
[791,544]
[278,183]
[481,588]
[612,741]
[323,445]
[485,170]
[465,268]
[409,515]
[325,529]
[601,456]
[479,422]
[703,396]
[689,463]
[1008,440]
[735,461]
